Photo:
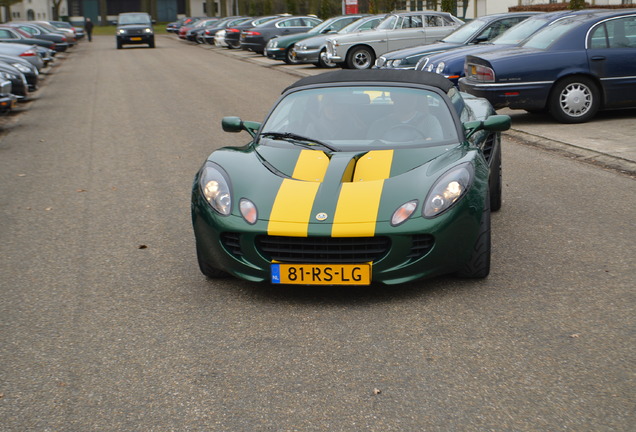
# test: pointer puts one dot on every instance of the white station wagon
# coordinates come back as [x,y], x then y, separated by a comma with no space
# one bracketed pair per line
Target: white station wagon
[398,30]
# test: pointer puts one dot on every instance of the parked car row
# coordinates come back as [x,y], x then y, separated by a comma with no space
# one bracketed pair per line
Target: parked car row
[568,63]
[26,48]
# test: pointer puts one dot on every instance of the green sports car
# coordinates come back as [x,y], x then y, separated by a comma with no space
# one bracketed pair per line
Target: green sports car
[355,177]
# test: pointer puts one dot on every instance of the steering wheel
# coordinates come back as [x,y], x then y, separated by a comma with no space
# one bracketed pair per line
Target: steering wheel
[403,132]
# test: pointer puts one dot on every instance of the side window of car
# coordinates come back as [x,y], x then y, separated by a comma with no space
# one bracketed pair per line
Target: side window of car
[498,27]
[622,32]
[434,21]
[5,34]
[598,37]
[311,22]
[412,21]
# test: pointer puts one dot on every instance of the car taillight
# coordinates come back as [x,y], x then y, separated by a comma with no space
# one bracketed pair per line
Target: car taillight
[28,53]
[479,72]
[63,39]
[231,30]
[252,33]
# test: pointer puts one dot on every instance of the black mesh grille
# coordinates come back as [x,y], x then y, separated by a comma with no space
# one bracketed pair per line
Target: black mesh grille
[231,243]
[323,249]
[422,244]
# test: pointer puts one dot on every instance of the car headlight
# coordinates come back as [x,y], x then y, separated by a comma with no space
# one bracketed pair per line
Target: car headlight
[272,43]
[248,211]
[403,213]
[148,30]
[216,188]
[440,67]
[430,67]
[300,46]
[22,68]
[448,189]
[121,31]
[395,63]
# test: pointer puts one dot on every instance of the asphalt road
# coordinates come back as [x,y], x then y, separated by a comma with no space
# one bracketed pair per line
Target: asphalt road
[107,324]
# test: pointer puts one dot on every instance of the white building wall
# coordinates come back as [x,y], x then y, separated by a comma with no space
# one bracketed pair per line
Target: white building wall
[34,9]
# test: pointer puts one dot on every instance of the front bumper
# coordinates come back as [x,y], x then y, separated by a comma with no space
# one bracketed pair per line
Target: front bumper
[416,249]
[134,39]
[307,56]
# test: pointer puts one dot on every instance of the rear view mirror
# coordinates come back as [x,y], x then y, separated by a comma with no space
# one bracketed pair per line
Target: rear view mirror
[235,124]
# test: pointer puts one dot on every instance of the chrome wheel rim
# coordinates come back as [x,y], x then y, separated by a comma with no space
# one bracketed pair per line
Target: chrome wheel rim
[361,59]
[576,99]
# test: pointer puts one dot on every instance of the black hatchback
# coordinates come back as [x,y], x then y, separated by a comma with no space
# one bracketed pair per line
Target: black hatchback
[134,28]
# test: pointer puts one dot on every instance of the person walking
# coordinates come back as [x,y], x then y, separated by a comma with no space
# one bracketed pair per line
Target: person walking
[88,27]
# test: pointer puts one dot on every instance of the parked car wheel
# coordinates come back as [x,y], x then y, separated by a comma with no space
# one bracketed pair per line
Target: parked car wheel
[234,45]
[290,59]
[151,44]
[323,62]
[574,100]
[478,266]
[360,58]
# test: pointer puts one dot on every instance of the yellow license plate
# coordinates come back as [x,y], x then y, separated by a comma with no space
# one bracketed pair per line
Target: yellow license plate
[135,38]
[321,274]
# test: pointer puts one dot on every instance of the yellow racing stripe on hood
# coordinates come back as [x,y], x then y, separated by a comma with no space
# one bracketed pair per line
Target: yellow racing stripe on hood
[359,201]
[295,198]
[292,208]
[311,166]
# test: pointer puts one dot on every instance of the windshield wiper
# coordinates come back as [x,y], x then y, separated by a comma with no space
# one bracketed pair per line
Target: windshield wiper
[298,139]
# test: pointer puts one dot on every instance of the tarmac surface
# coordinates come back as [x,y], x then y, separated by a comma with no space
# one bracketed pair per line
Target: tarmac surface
[606,141]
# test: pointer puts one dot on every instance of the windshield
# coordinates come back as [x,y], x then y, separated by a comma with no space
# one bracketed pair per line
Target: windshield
[388,23]
[141,18]
[464,33]
[516,34]
[363,117]
[544,38]
[361,25]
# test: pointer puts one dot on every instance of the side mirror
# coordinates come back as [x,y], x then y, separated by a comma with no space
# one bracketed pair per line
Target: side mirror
[494,123]
[235,124]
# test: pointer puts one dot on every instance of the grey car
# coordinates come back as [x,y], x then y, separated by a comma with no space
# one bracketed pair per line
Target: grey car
[398,30]
[314,49]
[26,52]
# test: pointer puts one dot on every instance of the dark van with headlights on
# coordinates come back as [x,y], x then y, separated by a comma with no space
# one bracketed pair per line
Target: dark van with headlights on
[134,28]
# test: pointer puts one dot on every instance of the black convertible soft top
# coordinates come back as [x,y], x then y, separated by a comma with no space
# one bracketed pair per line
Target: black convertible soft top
[376,75]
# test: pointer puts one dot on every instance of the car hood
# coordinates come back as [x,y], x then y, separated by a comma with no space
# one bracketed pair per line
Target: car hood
[461,52]
[367,185]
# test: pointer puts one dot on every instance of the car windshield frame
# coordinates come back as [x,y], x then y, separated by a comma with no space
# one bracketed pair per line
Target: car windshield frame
[300,112]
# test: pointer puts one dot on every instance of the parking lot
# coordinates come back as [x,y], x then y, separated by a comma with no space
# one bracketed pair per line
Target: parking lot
[108,324]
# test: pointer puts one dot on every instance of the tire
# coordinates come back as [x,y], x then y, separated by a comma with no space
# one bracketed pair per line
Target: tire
[495,180]
[360,58]
[234,45]
[289,59]
[323,62]
[478,265]
[207,270]
[574,99]
[119,45]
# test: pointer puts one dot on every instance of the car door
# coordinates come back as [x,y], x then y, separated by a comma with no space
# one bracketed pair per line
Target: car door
[611,52]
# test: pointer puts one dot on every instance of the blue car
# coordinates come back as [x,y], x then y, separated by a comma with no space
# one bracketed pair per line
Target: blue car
[451,63]
[478,31]
[573,68]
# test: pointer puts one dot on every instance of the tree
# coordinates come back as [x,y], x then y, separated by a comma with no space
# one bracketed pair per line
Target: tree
[577,4]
